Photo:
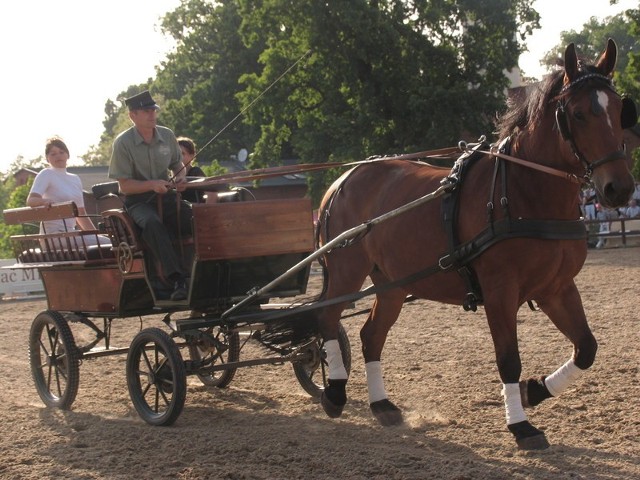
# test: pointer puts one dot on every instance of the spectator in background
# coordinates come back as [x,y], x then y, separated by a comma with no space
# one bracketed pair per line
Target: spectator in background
[605,215]
[632,210]
[589,203]
[55,185]
[188,148]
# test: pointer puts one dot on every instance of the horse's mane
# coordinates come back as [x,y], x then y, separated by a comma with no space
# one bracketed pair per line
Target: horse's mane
[528,109]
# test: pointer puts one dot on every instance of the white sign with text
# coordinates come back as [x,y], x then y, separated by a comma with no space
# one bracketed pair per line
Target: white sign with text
[18,281]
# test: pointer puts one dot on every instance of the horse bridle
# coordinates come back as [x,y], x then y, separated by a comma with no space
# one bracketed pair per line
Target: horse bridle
[628,118]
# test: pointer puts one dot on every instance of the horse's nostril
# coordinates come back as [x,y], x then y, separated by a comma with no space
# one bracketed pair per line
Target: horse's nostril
[616,196]
[609,190]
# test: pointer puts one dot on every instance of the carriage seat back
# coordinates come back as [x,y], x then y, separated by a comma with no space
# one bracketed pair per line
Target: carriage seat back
[26,215]
[121,228]
[90,253]
[69,246]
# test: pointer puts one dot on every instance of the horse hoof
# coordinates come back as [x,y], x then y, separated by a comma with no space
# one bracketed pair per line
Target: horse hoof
[537,442]
[533,391]
[334,397]
[331,409]
[387,414]
[528,437]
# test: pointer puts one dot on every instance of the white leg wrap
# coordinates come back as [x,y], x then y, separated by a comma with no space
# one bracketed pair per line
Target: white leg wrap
[375,384]
[559,380]
[334,359]
[513,403]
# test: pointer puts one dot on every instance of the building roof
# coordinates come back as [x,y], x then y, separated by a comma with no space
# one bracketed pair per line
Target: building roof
[92,175]
[89,176]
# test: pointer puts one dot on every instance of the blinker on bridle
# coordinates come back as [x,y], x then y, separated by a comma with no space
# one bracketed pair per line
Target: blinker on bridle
[629,118]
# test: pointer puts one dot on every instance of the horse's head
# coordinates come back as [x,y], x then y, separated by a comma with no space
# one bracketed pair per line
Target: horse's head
[590,117]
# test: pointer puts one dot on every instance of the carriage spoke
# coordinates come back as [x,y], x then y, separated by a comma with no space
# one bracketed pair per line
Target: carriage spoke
[156,402]
[147,386]
[147,361]
[43,347]
[59,385]
[164,396]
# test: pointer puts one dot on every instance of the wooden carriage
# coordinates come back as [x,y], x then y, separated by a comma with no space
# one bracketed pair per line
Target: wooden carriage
[236,247]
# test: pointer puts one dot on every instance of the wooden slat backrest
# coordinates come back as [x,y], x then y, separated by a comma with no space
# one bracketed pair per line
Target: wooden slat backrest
[57,211]
[121,228]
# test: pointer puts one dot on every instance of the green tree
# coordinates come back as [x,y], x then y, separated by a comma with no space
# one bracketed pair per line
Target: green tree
[628,80]
[591,40]
[199,81]
[12,197]
[381,77]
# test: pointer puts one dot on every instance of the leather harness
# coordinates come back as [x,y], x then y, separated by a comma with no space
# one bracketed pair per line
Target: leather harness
[459,255]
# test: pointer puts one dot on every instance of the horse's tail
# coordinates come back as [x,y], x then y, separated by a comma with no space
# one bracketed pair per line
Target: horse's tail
[322,225]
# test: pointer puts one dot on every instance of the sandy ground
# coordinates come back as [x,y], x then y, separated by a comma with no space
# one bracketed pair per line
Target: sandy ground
[439,368]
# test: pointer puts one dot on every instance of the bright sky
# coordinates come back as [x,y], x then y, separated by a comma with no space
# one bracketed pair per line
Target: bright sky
[63,59]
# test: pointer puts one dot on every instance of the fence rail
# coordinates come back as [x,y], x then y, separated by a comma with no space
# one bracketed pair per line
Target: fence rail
[621,232]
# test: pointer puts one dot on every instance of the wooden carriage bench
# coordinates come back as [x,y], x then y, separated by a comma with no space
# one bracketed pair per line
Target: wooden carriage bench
[236,246]
[73,246]
[78,274]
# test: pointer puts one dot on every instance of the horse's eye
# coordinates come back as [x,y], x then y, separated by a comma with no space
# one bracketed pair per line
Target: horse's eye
[578,115]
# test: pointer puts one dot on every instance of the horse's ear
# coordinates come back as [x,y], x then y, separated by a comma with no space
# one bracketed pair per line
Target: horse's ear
[570,64]
[607,61]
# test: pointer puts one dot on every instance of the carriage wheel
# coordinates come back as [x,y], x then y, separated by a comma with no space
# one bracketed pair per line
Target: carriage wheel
[311,371]
[156,377]
[53,357]
[218,348]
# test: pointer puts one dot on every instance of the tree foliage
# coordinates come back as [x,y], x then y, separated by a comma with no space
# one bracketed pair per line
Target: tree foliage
[592,39]
[628,80]
[12,197]
[374,76]
[381,76]
[200,80]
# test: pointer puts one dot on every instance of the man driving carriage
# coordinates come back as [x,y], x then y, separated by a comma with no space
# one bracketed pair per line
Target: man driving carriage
[140,161]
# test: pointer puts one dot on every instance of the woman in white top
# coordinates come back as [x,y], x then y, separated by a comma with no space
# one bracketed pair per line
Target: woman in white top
[54,185]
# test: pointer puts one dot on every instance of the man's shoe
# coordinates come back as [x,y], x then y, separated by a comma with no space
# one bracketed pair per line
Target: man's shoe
[180,291]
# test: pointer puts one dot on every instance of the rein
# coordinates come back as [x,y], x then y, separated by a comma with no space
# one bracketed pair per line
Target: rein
[443,153]
[268,172]
[535,166]
[457,257]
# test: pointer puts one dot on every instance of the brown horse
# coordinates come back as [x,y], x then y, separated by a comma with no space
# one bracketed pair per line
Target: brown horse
[510,233]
